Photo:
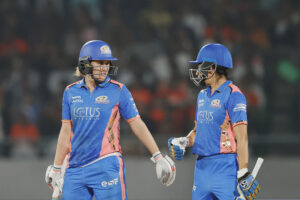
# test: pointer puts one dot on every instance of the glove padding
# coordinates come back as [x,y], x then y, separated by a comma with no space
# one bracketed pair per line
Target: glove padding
[177,147]
[54,178]
[165,168]
[248,186]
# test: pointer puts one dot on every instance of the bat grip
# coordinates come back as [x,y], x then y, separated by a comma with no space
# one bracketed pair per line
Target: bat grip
[55,194]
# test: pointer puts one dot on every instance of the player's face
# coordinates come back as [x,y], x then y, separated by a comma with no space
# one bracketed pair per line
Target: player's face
[205,72]
[100,69]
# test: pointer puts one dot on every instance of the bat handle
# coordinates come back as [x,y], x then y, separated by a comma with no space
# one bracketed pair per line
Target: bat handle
[257,166]
[55,194]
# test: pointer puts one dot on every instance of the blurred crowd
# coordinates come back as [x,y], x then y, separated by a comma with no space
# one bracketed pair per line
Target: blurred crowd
[154,40]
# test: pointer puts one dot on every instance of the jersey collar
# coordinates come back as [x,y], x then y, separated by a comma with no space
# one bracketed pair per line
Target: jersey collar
[220,89]
[104,84]
[223,86]
[81,84]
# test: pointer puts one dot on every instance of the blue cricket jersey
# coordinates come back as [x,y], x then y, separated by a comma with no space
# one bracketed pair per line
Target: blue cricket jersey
[95,118]
[216,115]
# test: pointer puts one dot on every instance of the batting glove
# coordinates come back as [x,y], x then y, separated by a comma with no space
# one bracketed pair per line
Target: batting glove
[165,168]
[247,184]
[177,147]
[53,177]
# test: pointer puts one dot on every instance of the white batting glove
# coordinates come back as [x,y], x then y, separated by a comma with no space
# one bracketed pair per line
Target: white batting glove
[54,178]
[165,168]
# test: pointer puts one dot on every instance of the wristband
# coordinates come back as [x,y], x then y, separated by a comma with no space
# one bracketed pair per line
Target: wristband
[156,156]
[242,172]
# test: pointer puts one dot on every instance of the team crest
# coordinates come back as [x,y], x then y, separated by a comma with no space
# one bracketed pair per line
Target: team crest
[105,50]
[102,100]
[216,103]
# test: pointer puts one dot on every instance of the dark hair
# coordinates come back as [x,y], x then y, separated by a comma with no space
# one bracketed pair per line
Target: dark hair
[222,71]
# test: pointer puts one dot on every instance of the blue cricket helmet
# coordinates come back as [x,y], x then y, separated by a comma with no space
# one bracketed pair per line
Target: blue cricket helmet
[96,50]
[216,53]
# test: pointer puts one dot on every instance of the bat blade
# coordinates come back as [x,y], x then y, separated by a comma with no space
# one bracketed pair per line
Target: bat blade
[257,166]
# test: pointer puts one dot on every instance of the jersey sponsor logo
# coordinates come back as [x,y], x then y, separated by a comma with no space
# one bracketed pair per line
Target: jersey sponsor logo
[240,107]
[225,141]
[105,50]
[110,183]
[205,117]
[201,102]
[134,106]
[87,113]
[77,99]
[102,100]
[216,103]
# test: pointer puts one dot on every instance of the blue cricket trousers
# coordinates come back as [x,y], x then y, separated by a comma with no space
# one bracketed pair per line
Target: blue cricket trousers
[104,179]
[215,177]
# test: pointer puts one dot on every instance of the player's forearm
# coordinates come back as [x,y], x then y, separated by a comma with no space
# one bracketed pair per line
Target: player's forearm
[62,144]
[243,155]
[242,145]
[143,134]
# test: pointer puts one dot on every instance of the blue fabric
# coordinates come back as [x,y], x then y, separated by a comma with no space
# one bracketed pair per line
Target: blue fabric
[90,114]
[210,116]
[215,177]
[100,179]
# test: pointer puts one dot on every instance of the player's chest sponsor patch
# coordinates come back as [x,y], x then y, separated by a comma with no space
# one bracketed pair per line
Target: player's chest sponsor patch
[201,102]
[216,103]
[204,116]
[77,99]
[102,100]
[87,113]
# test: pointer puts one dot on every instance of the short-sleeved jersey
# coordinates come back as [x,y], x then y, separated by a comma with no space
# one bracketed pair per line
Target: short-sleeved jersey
[95,119]
[216,115]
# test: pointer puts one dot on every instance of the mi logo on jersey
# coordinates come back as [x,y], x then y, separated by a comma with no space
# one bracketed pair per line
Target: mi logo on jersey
[102,100]
[216,103]
[105,50]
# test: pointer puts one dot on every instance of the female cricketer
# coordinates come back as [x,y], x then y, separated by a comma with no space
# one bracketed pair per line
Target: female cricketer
[90,132]
[219,137]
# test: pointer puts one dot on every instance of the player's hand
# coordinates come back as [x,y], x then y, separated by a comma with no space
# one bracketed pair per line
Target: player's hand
[177,147]
[247,184]
[165,168]
[53,178]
